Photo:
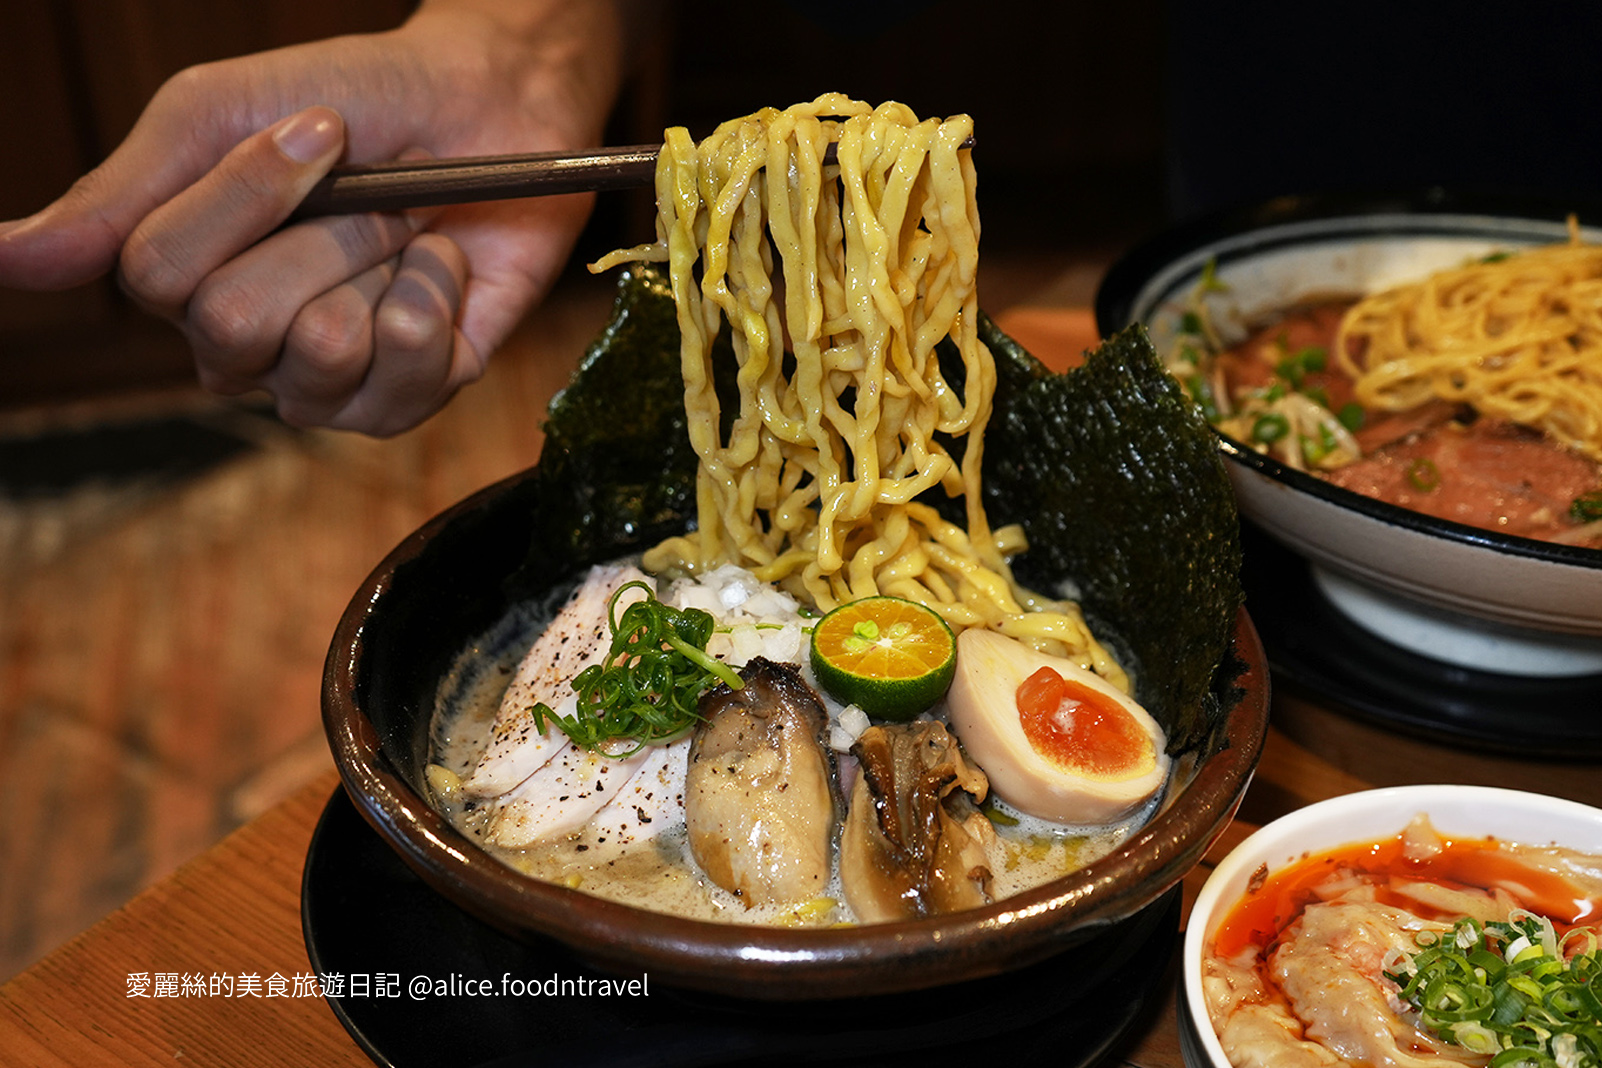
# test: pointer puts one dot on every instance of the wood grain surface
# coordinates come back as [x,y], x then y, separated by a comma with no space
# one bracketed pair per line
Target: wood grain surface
[235,911]
[163,627]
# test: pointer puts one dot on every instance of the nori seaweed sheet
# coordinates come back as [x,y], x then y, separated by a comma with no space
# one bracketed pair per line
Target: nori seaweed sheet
[1113,474]
[1123,495]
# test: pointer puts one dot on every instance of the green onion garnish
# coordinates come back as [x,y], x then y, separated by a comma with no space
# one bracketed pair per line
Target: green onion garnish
[1202,394]
[1587,507]
[648,687]
[1291,371]
[1315,449]
[1423,474]
[1296,367]
[1313,358]
[1351,416]
[995,815]
[1210,282]
[1270,428]
[1512,991]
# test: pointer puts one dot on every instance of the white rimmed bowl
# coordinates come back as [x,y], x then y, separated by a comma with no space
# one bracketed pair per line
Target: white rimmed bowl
[1469,597]
[1370,815]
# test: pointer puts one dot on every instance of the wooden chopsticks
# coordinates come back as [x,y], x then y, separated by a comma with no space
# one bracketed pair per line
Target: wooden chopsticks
[398,185]
[403,184]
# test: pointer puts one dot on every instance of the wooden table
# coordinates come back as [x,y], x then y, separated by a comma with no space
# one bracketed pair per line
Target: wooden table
[235,912]
[209,966]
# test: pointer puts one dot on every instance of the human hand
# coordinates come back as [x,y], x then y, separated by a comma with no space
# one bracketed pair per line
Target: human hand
[366,322]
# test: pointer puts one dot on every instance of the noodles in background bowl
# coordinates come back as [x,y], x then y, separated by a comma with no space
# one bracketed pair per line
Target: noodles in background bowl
[1517,337]
[1473,393]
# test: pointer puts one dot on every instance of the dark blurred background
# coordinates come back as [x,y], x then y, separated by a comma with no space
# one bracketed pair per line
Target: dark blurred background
[1098,123]
[1066,98]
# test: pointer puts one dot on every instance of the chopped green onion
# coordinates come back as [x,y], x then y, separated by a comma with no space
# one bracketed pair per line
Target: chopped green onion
[1509,991]
[1296,367]
[1587,507]
[1315,449]
[1423,474]
[995,815]
[1202,394]
[1209,278]
[1190,323]
[1351,416]
[1270,428]
[1313,358]
[647,689]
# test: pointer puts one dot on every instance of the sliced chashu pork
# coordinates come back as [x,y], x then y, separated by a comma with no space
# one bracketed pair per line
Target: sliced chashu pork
[578,637]
[651,800]
[563,795]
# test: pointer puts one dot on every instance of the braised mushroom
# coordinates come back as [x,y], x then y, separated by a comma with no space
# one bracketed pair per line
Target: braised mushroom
[914,838]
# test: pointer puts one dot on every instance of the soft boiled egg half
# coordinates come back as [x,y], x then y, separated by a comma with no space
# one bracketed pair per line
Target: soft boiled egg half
[1057,741]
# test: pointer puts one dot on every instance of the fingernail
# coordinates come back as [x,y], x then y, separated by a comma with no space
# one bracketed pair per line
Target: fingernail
[309,136]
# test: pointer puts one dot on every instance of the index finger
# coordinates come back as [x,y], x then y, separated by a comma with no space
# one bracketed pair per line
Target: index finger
[246,196]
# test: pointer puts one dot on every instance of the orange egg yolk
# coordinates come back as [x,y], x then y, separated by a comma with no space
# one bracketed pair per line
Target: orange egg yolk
[1080,729]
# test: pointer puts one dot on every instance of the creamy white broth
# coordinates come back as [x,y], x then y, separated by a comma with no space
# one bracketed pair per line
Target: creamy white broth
[651,866]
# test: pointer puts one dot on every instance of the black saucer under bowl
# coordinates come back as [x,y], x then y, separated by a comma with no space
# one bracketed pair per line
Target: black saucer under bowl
[439,987]
[1312,646]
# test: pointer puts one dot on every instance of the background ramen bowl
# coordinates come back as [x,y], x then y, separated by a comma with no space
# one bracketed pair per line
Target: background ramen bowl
[1467,811]
[449,582]
[1470,597]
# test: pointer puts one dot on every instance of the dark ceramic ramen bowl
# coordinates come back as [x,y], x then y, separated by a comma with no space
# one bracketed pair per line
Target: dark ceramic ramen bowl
[1167,594]
[1461,595]
[448,582]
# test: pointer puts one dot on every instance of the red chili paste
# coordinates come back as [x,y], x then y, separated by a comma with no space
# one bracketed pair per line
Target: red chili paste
[1259,917]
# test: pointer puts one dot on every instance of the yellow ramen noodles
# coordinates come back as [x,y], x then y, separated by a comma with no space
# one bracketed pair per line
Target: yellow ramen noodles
[837,281]
[1517,337]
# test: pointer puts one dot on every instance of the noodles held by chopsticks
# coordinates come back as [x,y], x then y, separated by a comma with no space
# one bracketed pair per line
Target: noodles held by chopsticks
[861,267]
[1517,337]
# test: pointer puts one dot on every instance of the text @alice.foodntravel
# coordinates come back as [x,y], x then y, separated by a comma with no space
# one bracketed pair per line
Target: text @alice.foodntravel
[342,985]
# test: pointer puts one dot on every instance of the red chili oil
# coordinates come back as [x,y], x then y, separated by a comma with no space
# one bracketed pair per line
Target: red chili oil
[1266,910]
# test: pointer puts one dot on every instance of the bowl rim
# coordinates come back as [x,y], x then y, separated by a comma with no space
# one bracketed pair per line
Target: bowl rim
[1293,219]
[793,962]
[1399,802]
